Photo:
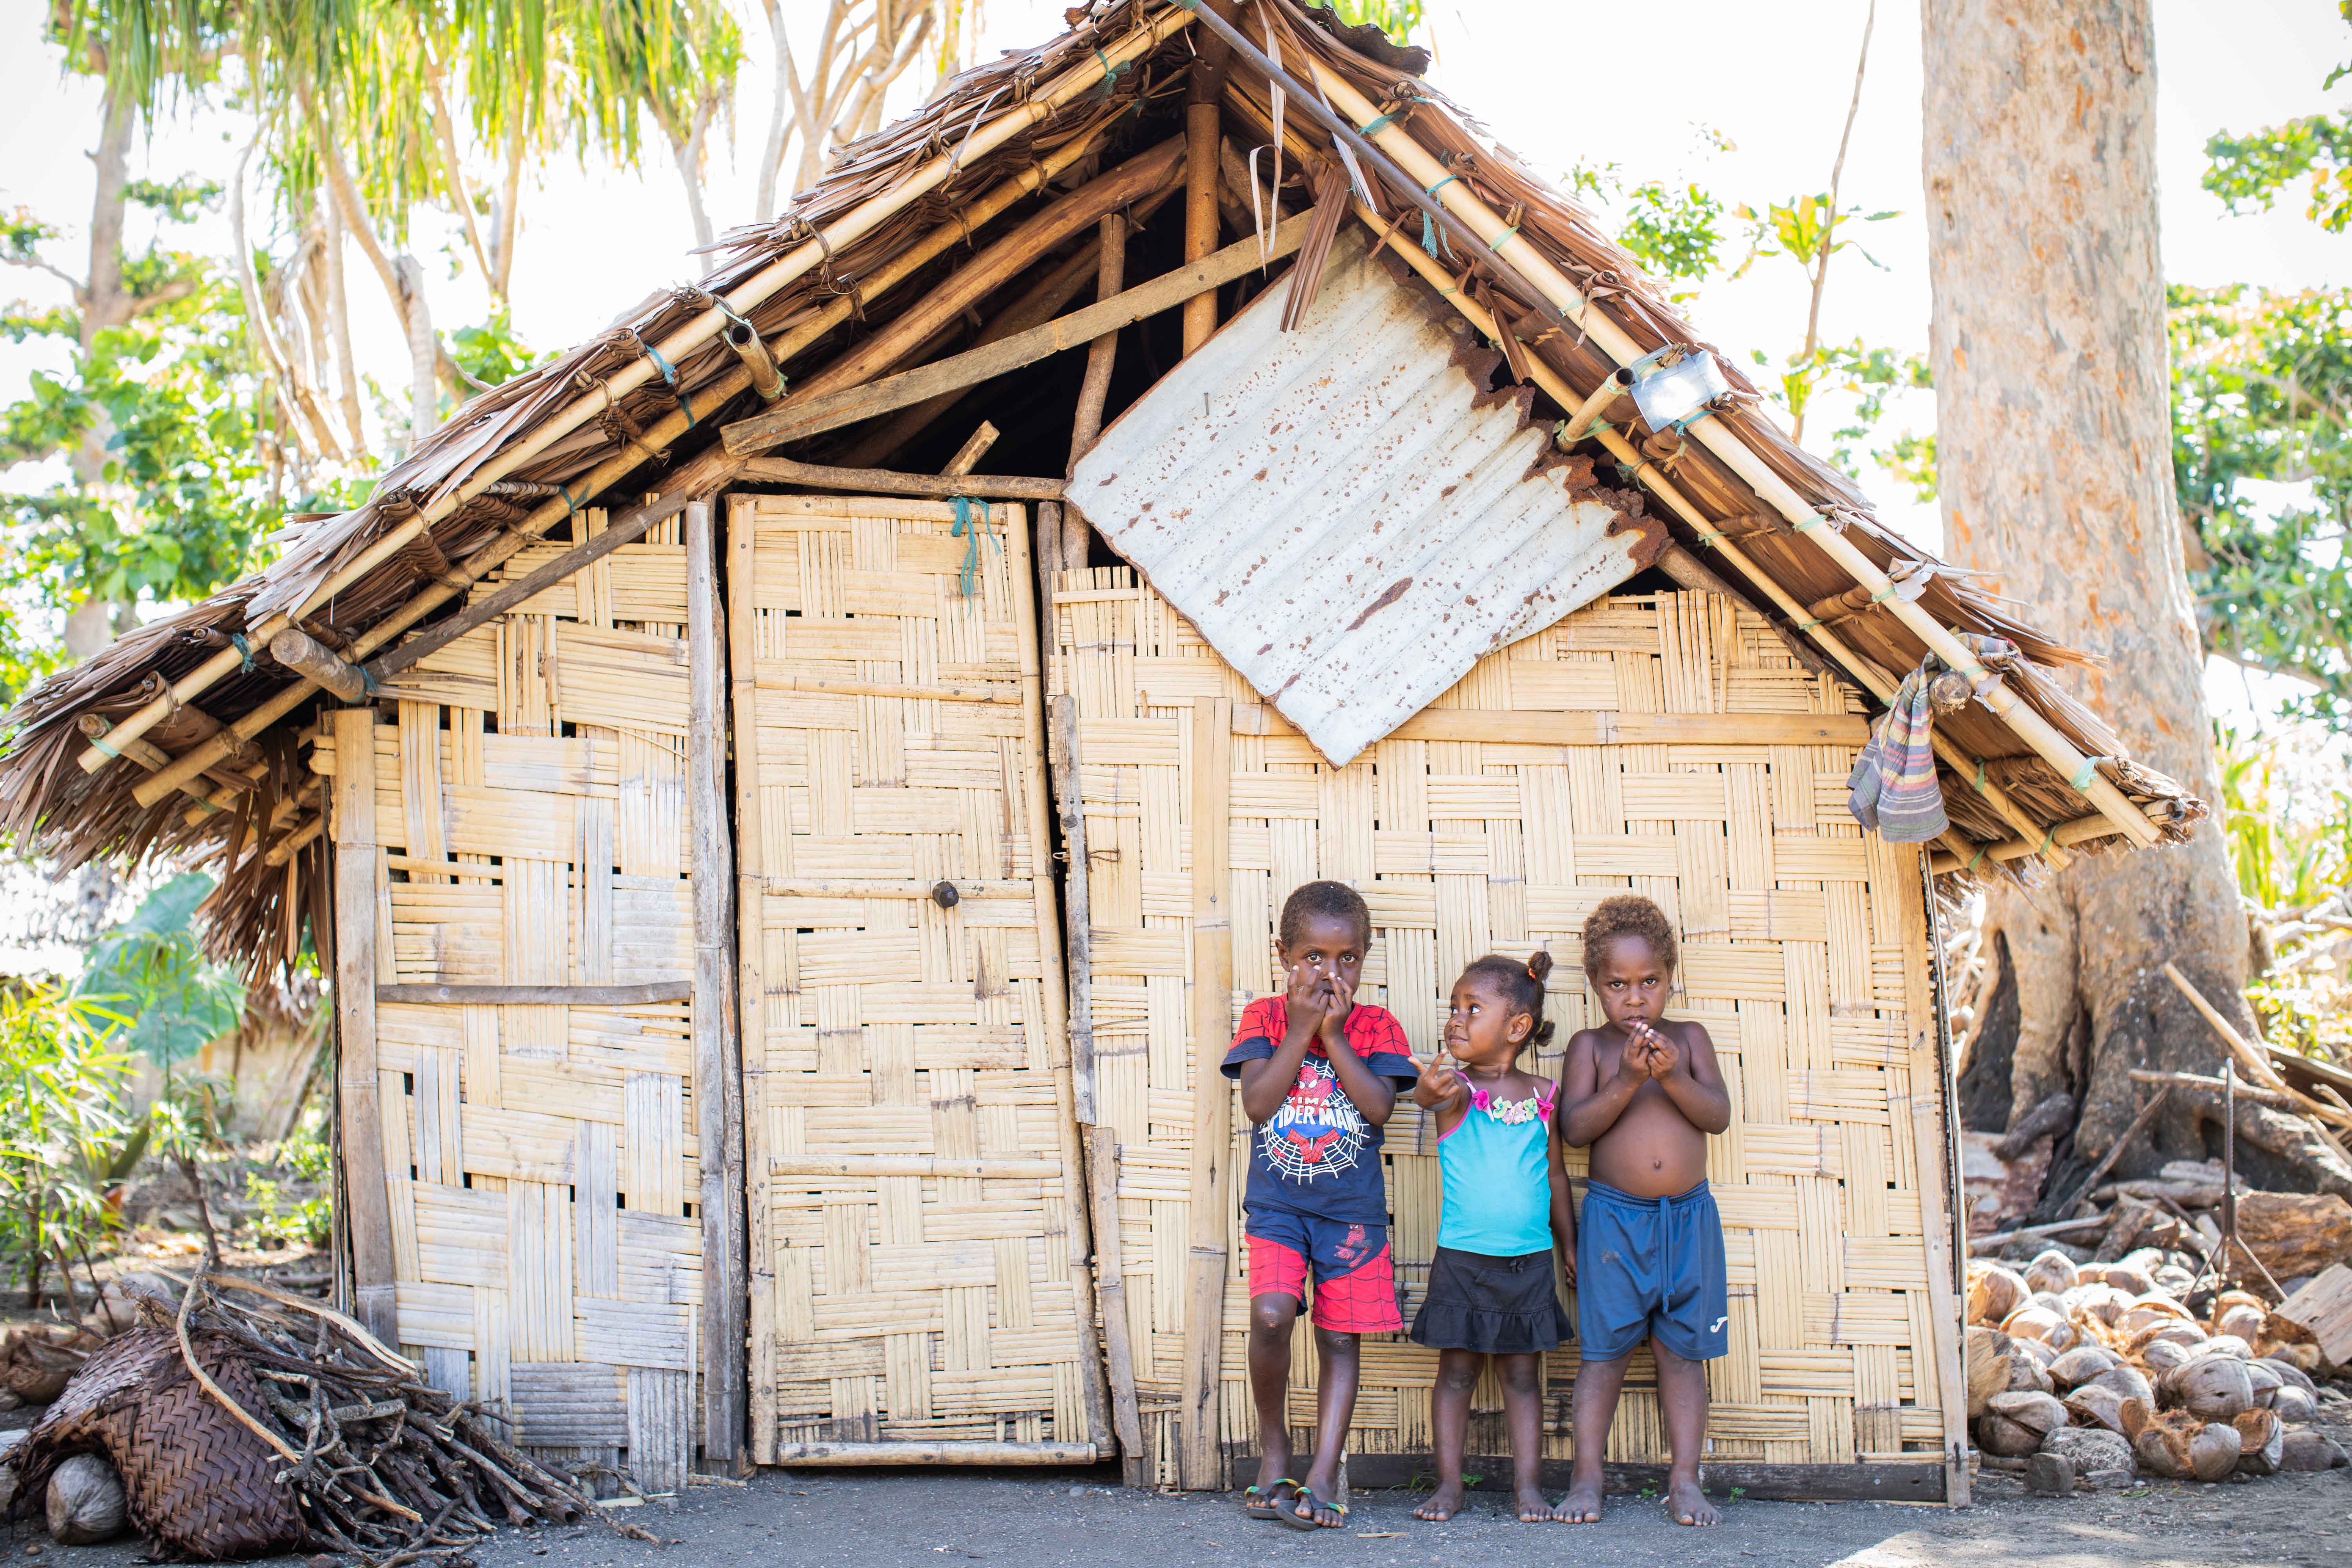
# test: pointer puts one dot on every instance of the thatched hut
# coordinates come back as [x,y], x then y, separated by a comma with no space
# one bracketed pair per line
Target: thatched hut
[782,883]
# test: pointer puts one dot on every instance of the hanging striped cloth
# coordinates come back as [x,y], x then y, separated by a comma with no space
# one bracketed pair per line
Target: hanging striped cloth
[1894,791]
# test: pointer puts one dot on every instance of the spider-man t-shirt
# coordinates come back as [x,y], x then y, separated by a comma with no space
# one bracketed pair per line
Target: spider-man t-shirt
[1317,1155]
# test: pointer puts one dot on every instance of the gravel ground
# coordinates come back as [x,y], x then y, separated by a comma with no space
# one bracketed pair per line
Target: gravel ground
[1025,1520]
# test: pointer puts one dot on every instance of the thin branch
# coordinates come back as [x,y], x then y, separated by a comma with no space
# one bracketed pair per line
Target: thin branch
[1830,216]
[80,290]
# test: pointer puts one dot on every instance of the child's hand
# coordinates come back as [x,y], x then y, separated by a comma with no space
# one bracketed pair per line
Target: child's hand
[1308,997]
[1665,1057]
[1445,1079]
[1568,1267]
[1339,996]
[1633,1061]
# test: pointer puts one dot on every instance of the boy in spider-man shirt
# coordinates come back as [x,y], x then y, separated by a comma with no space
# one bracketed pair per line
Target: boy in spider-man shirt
[1319,1074]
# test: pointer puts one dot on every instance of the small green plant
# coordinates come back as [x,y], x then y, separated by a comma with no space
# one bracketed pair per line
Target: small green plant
[279,1216]
[1738,1494]
[66,1138]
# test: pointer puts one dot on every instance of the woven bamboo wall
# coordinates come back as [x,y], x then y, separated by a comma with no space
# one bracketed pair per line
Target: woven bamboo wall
[1490,821]
[530,814]
[908,1104]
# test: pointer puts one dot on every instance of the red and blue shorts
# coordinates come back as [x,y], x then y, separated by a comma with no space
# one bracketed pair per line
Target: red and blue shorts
[1355,1275]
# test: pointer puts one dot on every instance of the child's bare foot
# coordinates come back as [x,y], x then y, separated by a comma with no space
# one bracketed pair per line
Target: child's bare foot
[1533,1509]
[1689,1504]
[1443,1504]
[1581,1505]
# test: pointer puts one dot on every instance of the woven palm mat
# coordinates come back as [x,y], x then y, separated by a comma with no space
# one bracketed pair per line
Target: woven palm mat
[199,1484]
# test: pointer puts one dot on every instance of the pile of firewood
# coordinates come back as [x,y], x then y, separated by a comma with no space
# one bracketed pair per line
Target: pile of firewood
[2101,1372]
[241,1420]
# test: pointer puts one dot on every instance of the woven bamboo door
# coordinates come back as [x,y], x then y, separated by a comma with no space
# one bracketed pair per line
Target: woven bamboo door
[1494,820]
[918,1240]
[529,830]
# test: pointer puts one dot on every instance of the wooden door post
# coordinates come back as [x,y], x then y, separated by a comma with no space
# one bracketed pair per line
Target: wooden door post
[358,1091]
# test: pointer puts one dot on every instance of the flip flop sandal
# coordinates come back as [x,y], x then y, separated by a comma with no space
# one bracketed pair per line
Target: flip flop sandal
[1265,1503]
[1315,1505]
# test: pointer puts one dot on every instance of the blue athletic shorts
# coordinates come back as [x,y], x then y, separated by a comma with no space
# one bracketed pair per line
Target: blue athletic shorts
[1650,1267]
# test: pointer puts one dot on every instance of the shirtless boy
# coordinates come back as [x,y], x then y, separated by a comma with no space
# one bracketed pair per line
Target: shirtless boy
[1644,1093]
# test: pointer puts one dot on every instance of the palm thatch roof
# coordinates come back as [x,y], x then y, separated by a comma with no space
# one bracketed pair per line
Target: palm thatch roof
[836,289]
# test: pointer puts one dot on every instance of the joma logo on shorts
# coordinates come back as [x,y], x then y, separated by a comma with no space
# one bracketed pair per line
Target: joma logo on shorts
[1716,1327]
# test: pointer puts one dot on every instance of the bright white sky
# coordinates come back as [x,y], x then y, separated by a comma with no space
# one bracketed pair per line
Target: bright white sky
[596,242]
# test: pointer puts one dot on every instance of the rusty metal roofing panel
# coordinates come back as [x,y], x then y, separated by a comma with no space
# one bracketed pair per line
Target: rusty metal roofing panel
[1347,514]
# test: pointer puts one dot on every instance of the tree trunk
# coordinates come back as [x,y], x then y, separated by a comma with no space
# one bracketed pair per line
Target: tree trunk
[105,302]
[2055,460]
[424,357]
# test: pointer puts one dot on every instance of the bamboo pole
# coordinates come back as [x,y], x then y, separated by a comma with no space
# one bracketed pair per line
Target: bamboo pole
[1111,278]
[1199,1457]
[1110,1291]
[750,957]
[1013,524]
[1874,679]
[1203,128]
[1937,1181]
[1504,242]
[358,1089]
[1077,899]
[791,420]
[762,286]
[885,481]
[646,995]
[946,1454]
[717,1047]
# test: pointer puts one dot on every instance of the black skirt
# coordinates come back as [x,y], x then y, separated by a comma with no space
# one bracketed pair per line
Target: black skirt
[1496,1306]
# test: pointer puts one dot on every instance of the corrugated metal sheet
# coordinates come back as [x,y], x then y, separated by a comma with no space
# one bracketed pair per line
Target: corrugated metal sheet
[1344,512]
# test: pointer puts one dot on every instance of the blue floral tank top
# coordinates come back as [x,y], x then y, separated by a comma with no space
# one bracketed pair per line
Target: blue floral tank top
[1495,1164]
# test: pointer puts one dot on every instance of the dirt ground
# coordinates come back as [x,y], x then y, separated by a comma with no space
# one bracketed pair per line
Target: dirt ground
[1073,1518]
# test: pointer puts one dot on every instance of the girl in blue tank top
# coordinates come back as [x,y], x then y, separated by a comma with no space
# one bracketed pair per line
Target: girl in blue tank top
[1505,1218]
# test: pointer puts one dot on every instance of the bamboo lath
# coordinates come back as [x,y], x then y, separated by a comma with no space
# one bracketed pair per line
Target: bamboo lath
[541,1159]
[1804,946]
[914,1180]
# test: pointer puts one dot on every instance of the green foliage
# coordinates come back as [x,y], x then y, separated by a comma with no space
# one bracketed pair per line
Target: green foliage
[1399,19]
[282,1212]
[2261,388]
[150,970]
[2251,172]
[1803,229]
[64,1131]
[491,354]
[1673,228]
[1870,376]
[2283,860]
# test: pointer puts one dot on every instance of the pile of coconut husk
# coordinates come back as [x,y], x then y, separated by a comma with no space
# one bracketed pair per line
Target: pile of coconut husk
[2139,1367]
[241,1420]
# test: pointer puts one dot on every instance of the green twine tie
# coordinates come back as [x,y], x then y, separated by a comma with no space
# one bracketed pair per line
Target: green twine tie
[972,529]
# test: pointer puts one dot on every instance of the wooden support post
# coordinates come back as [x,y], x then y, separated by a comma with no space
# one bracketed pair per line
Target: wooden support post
[1102,354]
[358,1092]
[1932,1107]
[1013,524]
[1110,1291]
[885,481]
[1200,1455]
[1077,903]
[968,456]
[767,380]
[1201,135]
[750,954]
[718,1053]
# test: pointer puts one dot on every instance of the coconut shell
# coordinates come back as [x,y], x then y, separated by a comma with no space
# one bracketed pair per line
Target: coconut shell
[2079,1365]
[2044,1354]
[2178,1444]
[2135,1415]
[2131,1279]
[2159,1356]
[2261,1441]
[2306,1359]
[1994,1292]
[2304,1448]
[1989,1354]
[2035,1321]
[2229,1345]
[2040,1411]
[2291,1374]
[85,1503]
[2092,1405]
[2292,1403]
[2266,1384]
[2128,1382]
[2096,1303]
[2052,1271]
[2166,1331]
[2090,1449]
[2211,1388]
[2007,1440]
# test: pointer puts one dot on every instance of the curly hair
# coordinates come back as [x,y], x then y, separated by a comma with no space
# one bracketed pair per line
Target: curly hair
[1629,914]
[1519,984]
[1330,901]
